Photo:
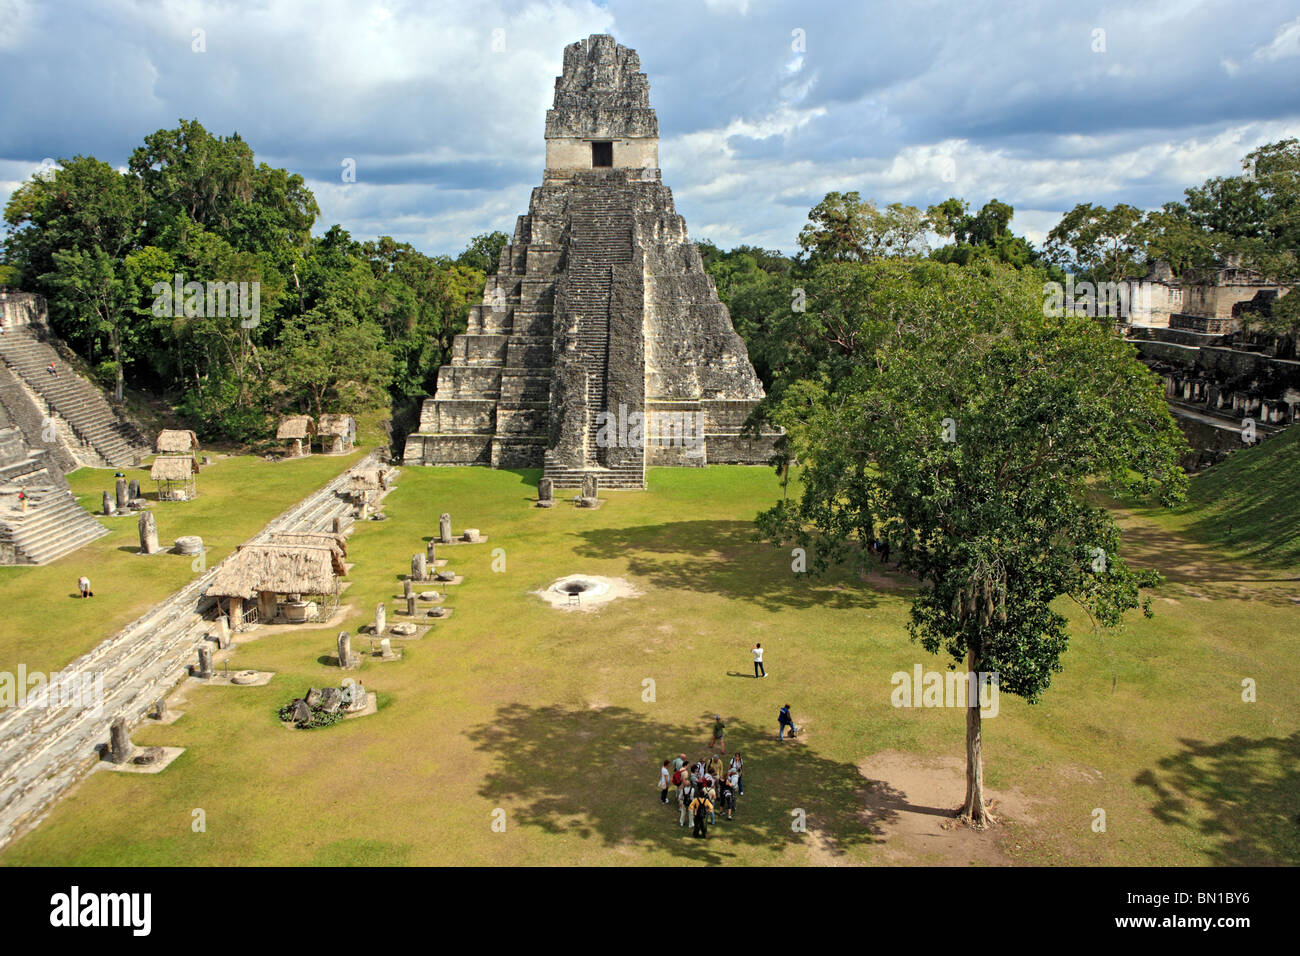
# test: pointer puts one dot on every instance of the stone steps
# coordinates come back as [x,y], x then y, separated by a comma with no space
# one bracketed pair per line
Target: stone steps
[53,526]
[70,397]
[44,750]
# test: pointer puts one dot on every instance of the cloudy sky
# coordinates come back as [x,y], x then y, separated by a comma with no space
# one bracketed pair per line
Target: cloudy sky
[763,107]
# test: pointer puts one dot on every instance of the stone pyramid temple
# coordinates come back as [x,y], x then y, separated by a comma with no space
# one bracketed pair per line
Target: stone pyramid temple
[601,346]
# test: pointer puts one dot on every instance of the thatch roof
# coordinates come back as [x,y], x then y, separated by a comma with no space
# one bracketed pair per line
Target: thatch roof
[281,568]
[173,440]
[174,468]
[312,539]
[295,426]
[341,426]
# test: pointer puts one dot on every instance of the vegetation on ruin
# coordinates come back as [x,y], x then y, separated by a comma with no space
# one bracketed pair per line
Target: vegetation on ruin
[342,326]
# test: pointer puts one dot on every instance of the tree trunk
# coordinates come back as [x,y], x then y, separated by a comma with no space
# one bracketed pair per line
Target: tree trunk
[974,813]
[117,360]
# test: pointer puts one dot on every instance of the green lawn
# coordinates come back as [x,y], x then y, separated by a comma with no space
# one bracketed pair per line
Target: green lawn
[46,625]
[512,705]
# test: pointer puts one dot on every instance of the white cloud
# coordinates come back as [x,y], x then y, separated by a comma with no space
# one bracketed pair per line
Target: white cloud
[1286,42]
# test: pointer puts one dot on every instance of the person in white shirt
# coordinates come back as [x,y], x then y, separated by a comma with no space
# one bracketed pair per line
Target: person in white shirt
[663,783]
[759,669]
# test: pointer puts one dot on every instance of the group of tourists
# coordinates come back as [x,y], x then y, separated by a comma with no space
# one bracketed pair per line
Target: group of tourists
[704,788]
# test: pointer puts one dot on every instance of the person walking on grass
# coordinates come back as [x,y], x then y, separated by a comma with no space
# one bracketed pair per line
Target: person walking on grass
[784,720]
[759,669]
[719,734]
[83,583]
[663,783]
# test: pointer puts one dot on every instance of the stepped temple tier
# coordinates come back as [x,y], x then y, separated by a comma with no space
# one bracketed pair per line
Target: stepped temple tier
[601,346]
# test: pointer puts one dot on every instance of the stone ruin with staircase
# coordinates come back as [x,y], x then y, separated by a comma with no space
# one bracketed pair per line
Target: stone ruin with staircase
[50,424]
[601,346]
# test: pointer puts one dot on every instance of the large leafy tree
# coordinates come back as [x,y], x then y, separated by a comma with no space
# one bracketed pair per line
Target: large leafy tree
[985,234]
[483,253]
[844,228]
[1104,245]
[71,227]
[968,427]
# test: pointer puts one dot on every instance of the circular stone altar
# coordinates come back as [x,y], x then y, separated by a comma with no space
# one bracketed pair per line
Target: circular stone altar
[584,591]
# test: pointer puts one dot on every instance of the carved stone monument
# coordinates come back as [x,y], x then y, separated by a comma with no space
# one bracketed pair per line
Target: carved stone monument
[381,619]
[148,533]
[444,529]
[205,663]
[123,498]
[419,566]
[109,507]
[546,493]
[345,649]
[119,741]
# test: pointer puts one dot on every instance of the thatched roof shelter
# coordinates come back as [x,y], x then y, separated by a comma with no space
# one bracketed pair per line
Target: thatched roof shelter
[342,426]
[174,468]
[295,426]
[278,569]
[311,539]
[174,441]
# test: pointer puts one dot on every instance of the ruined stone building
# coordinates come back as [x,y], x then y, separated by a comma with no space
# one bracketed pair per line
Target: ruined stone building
[1219,373]
[601,345]
[1213,302]
[52,421]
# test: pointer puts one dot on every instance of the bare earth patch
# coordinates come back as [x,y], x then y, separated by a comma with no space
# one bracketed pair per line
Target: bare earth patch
[911,803]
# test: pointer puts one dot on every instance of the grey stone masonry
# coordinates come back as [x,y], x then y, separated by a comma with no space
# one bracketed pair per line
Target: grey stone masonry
[44,750]
[601,345]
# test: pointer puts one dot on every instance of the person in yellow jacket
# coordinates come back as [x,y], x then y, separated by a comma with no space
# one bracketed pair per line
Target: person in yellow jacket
[700,807]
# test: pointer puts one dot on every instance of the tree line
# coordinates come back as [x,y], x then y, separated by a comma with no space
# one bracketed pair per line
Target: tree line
[340,325]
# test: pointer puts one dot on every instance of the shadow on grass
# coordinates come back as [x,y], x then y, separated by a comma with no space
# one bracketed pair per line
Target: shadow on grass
[550,763]
[722,557]
[1203,568]
[1242,793]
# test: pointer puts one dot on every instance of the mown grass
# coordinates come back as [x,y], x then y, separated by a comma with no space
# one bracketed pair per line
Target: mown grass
[1246,506]
[45,624]
[542,714]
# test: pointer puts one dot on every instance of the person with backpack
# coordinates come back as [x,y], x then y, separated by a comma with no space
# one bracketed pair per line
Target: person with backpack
[738,768]
[701,807]
[729,794]
[684,798]
[711,795]
[784,720]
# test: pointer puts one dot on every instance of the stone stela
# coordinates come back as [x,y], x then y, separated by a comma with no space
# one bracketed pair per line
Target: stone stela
[600,308]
